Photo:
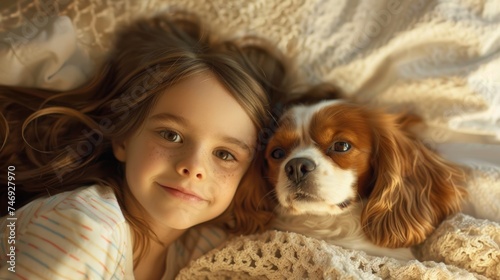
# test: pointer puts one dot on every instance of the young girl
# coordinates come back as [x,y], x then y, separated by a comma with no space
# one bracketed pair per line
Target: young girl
[113,174]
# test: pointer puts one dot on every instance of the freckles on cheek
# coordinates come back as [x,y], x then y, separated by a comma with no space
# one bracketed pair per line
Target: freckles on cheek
[224,177]
[159,153]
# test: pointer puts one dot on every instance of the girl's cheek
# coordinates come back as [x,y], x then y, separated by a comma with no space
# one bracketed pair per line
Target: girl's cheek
[225,176]
[220,176]
[158,152]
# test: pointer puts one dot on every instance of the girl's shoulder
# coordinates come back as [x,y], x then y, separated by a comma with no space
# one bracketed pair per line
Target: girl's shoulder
[89,204]
[79,233]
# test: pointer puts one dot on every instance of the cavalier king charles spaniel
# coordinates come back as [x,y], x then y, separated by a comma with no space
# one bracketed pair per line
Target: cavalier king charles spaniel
[358,177]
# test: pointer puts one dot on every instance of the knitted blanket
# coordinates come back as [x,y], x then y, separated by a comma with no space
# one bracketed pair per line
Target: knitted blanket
[461,248]
[440,58]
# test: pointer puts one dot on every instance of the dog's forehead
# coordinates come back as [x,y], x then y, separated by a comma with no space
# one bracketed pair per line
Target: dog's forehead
[300,116]
[295,124]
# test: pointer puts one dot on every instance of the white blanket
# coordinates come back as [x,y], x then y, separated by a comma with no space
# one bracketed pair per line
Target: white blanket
[441,59]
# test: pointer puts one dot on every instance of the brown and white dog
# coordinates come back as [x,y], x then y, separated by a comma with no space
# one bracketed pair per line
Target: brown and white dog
[359,178]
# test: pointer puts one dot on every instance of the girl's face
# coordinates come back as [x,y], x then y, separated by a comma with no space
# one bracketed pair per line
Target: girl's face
[186,161]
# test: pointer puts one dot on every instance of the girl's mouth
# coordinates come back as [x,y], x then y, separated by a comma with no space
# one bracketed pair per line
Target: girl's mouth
[182,193]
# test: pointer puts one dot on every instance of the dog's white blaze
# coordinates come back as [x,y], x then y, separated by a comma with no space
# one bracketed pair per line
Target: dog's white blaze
[302,115]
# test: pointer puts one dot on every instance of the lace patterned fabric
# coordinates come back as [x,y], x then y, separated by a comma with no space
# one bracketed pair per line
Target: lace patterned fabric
[284,255]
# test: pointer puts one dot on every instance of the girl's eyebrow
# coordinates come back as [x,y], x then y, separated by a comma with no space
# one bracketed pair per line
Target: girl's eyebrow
[169,117]
[237,142]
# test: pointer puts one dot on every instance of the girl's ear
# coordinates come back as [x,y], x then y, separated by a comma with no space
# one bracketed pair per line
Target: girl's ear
[414,190]
[119,150]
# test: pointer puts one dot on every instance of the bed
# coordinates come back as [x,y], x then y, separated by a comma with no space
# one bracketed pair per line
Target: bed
[441,59]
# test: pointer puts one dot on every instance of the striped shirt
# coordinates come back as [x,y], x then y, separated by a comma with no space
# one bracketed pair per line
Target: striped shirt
[82,234]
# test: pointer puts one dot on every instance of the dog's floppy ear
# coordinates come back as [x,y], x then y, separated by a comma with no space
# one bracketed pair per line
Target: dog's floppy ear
[414,189]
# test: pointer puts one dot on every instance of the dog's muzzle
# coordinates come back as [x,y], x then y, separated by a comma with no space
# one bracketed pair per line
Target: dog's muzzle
[297,169]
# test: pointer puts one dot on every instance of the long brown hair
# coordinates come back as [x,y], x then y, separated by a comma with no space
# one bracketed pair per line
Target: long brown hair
[62,141]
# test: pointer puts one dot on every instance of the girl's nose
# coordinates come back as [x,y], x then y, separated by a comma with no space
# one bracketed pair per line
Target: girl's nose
[187,172]
[192,165]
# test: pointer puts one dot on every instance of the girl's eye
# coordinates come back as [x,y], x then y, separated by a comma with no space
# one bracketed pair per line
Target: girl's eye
[340,147]
[224,155]
[171,136]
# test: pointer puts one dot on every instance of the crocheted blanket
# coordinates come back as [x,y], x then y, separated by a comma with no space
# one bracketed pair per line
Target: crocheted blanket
[461,248]
[439,58]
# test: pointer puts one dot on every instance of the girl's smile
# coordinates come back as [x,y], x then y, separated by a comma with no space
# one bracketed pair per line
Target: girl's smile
[183,193]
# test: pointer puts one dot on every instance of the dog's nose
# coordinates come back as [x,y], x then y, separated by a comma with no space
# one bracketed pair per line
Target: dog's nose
[297,168]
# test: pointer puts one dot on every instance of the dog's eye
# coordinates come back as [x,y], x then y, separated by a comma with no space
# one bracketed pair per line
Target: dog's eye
[278,153]
[340,147]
